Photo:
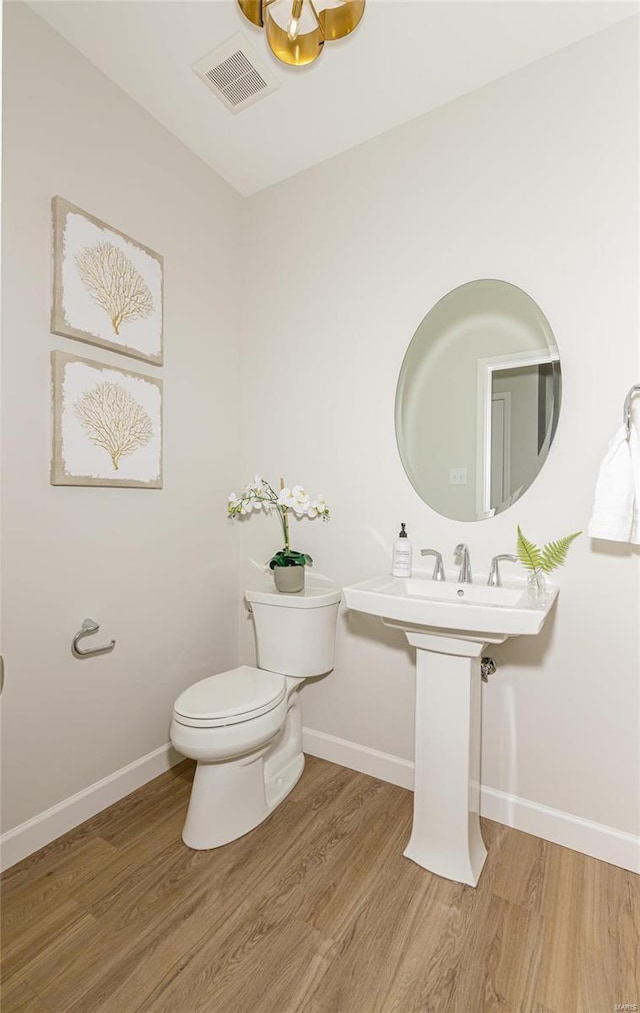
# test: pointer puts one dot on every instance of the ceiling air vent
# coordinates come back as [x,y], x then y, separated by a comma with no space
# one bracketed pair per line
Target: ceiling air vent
[236,74]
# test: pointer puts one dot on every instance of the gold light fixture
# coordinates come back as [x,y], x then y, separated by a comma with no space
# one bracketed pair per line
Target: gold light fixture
[297,30]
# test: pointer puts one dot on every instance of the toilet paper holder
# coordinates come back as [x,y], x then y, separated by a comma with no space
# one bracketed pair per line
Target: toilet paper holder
[89,627]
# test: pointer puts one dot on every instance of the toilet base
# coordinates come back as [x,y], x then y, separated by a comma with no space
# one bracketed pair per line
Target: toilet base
[223,808]
[283,781]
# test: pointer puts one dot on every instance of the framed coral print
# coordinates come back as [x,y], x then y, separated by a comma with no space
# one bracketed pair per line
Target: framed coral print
[107,425]
[107,288]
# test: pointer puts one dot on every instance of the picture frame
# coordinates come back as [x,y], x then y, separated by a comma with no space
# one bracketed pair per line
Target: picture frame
[107,425]
[107,287]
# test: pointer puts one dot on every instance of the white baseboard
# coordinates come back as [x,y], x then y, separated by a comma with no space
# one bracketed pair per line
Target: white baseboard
[384,766]
[593,839]
[28,837]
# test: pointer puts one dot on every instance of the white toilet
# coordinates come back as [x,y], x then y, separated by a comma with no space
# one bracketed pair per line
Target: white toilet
[244,726]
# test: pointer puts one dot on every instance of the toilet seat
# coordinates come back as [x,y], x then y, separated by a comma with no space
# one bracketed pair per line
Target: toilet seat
[228,698]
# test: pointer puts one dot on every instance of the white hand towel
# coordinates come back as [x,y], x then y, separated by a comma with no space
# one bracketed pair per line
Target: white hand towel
[634,451]
[613,506]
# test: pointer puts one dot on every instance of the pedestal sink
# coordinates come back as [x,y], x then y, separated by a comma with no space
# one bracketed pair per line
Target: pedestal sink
[449,624]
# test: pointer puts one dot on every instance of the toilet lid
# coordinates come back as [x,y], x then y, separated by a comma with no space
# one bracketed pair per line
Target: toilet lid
[232,696]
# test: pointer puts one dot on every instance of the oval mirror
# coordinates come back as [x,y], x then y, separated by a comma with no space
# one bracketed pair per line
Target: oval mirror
[478,400]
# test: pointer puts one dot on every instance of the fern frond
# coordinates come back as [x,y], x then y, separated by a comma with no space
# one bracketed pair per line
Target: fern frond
[529,554]
[555,553]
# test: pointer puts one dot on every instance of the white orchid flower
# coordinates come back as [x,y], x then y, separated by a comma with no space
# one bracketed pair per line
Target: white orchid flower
[287,499]
[299,501]
[260,496]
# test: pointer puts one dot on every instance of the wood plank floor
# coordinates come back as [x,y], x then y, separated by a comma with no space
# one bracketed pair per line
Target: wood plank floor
[316,911]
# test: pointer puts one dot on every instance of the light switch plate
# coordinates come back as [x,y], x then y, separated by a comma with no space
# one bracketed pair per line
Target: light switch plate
[457,476]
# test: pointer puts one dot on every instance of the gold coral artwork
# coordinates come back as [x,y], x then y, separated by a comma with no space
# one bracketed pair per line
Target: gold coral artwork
[113,420]
[113,282]
[107,425]
[107,289]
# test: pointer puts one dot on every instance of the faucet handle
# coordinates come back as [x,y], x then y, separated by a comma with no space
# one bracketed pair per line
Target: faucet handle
[494,573]
[438,569]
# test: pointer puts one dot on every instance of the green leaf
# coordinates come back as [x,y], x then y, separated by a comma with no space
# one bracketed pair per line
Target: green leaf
[555,553]
[289,557]
[529,554]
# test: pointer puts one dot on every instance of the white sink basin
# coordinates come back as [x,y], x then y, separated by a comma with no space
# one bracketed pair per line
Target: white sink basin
[449,606]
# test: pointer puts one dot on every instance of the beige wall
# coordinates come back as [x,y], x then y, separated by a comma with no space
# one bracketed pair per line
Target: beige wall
[534,180]
[155,568]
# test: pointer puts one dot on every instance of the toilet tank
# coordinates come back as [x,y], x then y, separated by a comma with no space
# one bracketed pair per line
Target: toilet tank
[295,633]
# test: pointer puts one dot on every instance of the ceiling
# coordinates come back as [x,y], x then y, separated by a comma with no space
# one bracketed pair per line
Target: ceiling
[405,58]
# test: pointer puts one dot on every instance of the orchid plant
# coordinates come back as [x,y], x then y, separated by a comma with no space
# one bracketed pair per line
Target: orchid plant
[260,496]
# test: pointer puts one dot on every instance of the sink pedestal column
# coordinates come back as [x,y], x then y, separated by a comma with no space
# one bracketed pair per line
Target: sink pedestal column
[449,624]
[446,837]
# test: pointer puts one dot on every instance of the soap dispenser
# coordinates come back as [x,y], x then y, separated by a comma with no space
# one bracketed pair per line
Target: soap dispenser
[402,551]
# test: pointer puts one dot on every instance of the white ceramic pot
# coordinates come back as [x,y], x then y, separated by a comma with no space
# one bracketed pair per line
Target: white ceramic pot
[289,579]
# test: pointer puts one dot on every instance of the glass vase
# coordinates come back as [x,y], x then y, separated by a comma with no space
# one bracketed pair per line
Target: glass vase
[537,588]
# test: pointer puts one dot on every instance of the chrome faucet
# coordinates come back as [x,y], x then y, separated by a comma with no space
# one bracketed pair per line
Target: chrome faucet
[438,569]
[462,557]
[494,573]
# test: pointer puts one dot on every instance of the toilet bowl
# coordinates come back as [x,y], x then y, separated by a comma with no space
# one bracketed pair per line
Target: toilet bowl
[244,726]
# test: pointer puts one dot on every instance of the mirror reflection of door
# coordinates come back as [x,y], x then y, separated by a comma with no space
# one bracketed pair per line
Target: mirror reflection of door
[516,435]
[519,395]
[548,403]
[500,460]
[518,399]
